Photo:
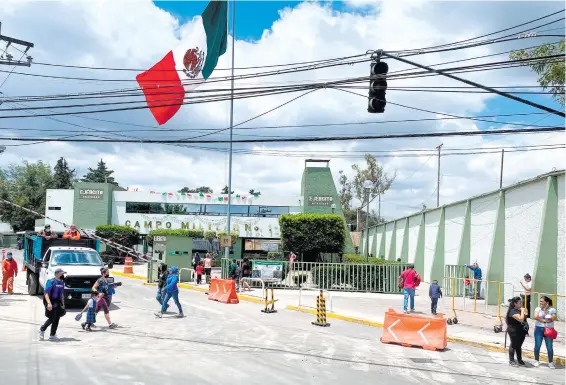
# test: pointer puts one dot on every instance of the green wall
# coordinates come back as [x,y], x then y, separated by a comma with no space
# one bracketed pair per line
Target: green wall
[91,210]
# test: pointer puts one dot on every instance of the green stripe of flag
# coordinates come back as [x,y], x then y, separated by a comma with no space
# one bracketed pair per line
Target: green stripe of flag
[214,20]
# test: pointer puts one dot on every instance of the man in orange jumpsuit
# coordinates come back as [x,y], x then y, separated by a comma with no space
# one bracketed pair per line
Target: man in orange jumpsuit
[72,233]
[9,271]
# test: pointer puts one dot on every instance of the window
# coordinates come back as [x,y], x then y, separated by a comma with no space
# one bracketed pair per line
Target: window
[54,208]
[239,210]
[216,209]
[72,257]
[268,211]
[162,208]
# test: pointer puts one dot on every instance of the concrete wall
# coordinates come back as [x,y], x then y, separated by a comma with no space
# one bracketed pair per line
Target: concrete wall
[510,232]
[59,205]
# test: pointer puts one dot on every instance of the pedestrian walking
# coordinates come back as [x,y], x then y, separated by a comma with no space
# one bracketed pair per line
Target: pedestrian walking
[234,274]
[199,271]
[196,260]
[476,288]
[545,315]
[161,283]
[101,285]
[246,274]
[526,296]
[434,292]
[208,267]
[90,310]
[517,328]
[9,272]
[54,302]
[408,281]
[171,291]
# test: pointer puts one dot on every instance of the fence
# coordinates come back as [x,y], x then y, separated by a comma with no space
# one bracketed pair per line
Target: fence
[373,278]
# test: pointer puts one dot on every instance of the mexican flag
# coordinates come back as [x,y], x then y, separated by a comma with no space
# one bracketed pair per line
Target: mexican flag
[186,67]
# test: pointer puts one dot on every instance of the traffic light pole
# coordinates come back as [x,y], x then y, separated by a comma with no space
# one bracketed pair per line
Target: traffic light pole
[471,83]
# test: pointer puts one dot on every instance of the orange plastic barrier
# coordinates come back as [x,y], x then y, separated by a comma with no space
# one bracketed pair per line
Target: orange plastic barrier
[223,290]
[429,332]
[128,266]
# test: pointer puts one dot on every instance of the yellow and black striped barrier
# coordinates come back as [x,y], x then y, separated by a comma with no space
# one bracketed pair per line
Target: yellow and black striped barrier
[267,301]
[321,311]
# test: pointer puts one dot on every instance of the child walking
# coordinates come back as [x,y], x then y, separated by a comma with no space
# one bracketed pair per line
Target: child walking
[199,270]
[89,309]
[434,292]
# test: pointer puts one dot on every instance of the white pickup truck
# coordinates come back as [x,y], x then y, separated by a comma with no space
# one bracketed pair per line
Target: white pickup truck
[80,260]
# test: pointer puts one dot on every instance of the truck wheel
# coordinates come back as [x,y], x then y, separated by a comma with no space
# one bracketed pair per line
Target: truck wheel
[33,284]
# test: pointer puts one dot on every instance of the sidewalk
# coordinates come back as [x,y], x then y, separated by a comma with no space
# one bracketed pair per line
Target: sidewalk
[369,308]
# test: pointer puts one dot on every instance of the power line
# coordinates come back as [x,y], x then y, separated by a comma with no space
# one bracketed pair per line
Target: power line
[302,139]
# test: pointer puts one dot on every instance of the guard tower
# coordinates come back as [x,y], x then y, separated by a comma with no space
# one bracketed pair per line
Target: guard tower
[319,192]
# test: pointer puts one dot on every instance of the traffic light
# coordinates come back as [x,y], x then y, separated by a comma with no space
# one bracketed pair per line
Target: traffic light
[377,87]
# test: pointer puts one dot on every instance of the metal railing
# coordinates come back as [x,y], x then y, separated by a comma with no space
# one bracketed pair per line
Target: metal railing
[373,278]
[252,280]
[192,276]
[301,304]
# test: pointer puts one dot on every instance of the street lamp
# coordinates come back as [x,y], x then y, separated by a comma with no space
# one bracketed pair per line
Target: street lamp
[367,185]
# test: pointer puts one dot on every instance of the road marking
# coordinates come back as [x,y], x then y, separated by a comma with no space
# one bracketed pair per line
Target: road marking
[420,332]
[391,331]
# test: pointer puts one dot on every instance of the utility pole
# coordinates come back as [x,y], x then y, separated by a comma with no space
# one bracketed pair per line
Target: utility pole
[501,170]
[438,178]
[6,58]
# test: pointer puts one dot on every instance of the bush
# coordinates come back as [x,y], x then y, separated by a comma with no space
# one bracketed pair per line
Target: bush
[210,235]
[276,256]
[175,233]
[373,278]
[123,235]
[358,259]
[313,233]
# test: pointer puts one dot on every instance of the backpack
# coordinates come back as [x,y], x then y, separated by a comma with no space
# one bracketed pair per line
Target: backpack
[417,279]
[401,282]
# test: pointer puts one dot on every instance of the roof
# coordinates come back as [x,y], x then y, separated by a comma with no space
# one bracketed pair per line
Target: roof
[356,235]
[70,248]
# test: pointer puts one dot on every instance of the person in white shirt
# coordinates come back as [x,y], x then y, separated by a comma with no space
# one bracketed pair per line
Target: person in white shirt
[545,315]
[527,294]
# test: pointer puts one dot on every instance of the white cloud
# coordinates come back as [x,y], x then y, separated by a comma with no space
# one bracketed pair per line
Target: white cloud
[121,34]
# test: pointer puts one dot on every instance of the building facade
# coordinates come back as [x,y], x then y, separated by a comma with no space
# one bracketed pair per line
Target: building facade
[254,217]
[509,232]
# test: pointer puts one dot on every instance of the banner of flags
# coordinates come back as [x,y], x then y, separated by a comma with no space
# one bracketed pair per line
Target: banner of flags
[198,195]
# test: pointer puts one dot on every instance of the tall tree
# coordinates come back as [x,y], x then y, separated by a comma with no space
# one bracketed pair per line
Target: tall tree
[225,190]
[551,71]
[63,176]
[345,193]
[101,174]
[201,189]
[381,182]
[24,185]
[253,192]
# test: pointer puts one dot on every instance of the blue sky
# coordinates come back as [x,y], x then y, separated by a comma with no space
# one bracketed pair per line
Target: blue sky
[252,17]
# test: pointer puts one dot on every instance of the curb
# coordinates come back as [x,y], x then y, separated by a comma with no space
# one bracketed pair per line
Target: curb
[457,340]
[185,286]
[338,316]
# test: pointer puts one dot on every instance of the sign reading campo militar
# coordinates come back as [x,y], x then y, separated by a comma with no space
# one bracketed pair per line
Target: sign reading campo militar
[87,193]
[320,200]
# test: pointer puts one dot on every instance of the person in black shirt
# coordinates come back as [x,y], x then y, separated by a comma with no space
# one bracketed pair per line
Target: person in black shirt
[517,328]
[163,274]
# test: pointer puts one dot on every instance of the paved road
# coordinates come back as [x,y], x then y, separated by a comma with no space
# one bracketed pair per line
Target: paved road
[220,344]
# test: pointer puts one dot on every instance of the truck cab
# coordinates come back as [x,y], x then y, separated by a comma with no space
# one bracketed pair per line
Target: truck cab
[79,259]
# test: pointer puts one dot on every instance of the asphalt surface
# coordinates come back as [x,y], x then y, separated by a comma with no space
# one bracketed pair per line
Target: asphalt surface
[227,344]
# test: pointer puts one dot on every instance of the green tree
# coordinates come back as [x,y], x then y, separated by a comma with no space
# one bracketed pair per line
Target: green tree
[345,193]
[24,185]
[550,71]
[63,176]
[225,190]
[101,174]
[381,181]
[202,189]
[312,234]
[253,192]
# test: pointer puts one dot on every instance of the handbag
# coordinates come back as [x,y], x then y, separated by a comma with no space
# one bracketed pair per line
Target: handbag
[550,333]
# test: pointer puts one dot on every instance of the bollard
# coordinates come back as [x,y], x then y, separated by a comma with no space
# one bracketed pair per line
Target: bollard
[321,311]
[267,301]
